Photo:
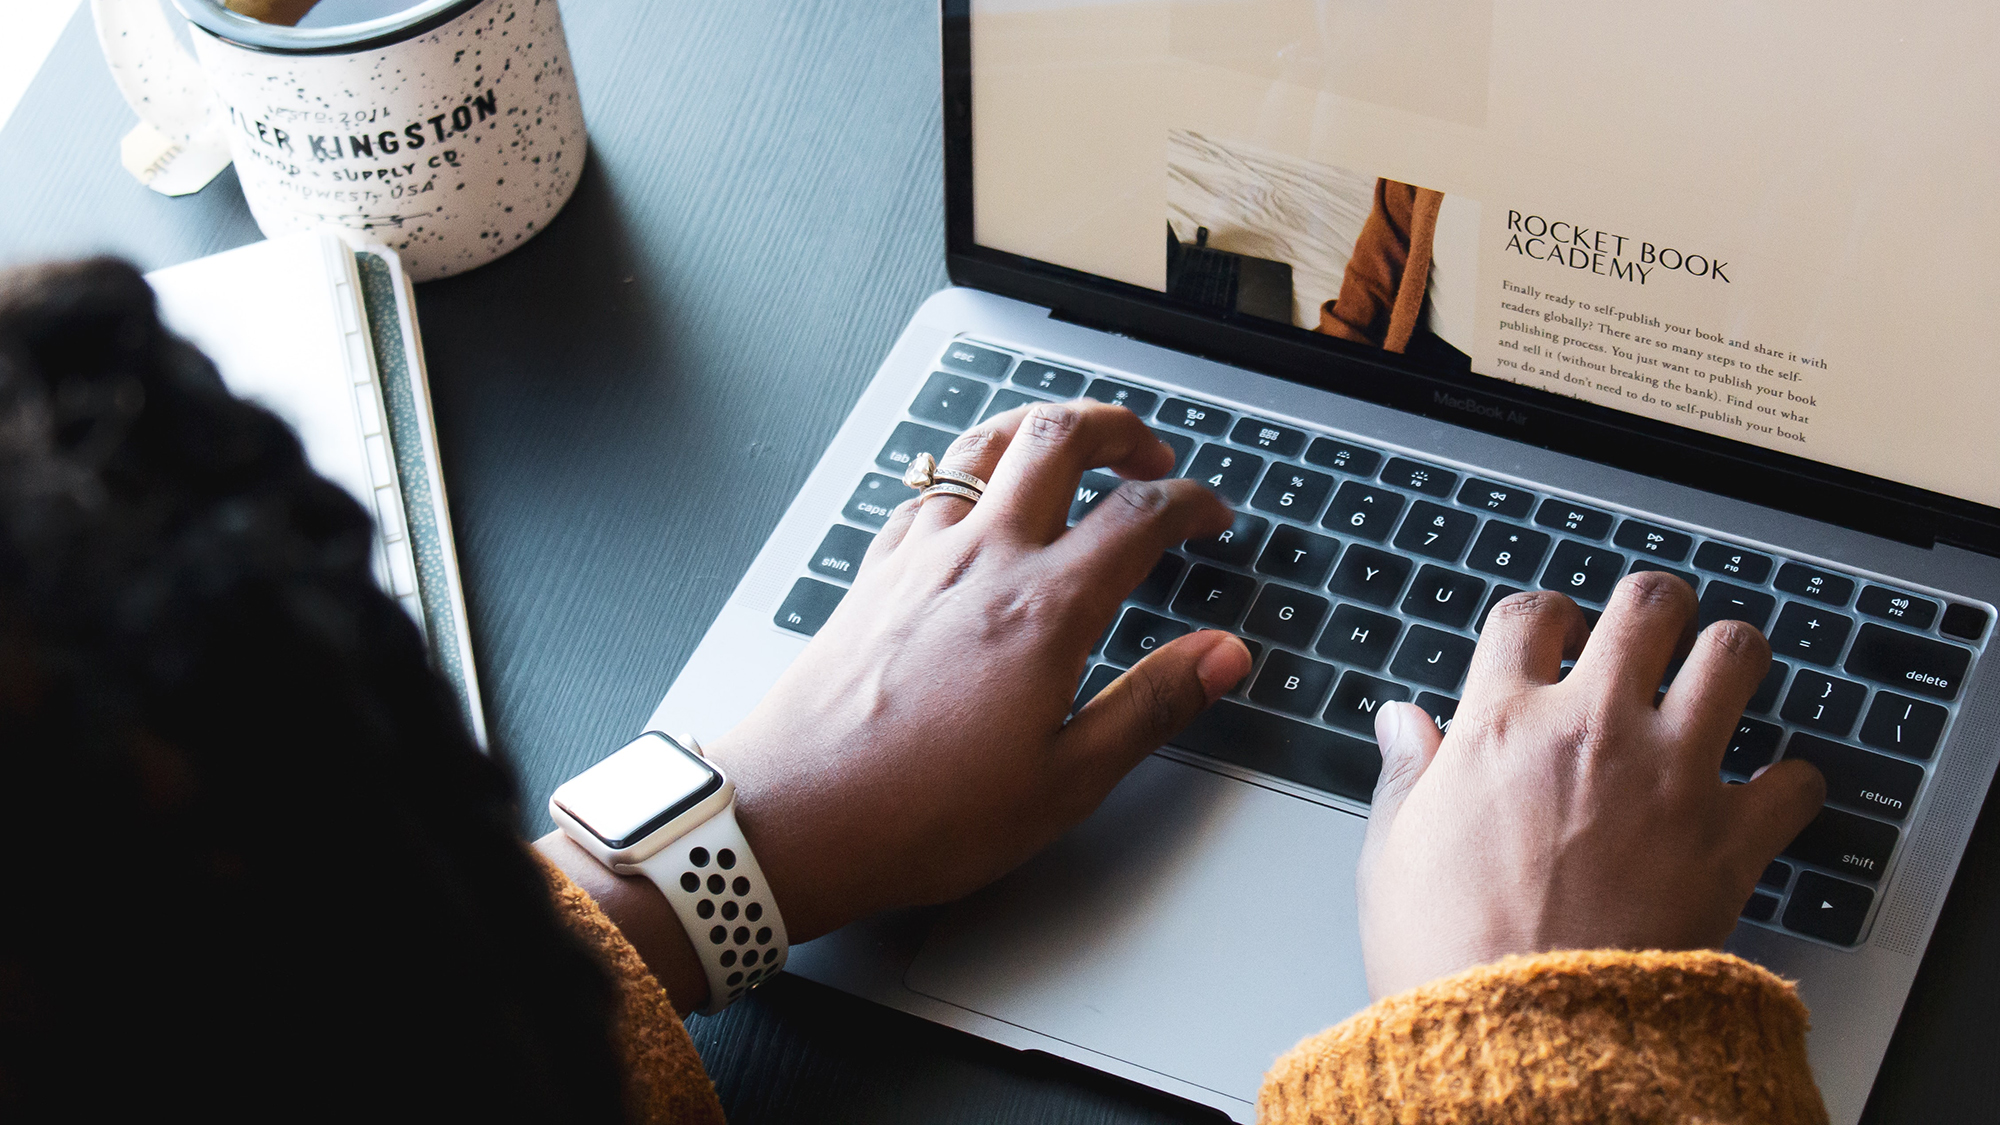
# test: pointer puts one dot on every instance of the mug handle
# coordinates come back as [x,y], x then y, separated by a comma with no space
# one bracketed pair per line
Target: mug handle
[181,143]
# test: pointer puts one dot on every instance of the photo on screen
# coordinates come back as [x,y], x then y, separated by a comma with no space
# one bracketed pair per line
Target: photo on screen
[1329,249]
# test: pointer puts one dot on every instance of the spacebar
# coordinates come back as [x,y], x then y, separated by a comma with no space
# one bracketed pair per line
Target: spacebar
[1309,755]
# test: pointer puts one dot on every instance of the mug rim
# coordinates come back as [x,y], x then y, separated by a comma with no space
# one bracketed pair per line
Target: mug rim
[242,31]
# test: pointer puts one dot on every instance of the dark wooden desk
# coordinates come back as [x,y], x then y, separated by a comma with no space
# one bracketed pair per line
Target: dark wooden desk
[627,404]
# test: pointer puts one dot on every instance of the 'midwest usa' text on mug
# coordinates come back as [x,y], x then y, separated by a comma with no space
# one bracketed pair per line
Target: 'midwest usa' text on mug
[448,130]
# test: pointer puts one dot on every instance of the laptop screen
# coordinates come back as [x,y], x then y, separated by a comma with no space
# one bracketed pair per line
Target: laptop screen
[1774,223]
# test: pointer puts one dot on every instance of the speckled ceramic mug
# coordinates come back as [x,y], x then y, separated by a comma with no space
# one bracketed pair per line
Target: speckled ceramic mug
[448,130]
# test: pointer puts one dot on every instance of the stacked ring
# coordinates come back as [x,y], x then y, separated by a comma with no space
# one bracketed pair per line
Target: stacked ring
[928,479]
[947,488]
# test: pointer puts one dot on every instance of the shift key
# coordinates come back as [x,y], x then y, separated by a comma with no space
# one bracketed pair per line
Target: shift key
[1841,841]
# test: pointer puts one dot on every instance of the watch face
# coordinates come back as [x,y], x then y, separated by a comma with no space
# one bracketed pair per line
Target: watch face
[638,789]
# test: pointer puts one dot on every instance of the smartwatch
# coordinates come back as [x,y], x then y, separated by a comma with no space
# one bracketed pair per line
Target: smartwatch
[658,808]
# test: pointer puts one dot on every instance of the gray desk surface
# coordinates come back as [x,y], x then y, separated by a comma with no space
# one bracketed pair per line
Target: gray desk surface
[627,403]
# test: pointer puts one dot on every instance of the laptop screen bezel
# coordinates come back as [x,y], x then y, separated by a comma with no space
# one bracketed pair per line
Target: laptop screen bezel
[1672,453]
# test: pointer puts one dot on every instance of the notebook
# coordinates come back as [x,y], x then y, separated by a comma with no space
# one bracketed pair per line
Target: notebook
[325,337]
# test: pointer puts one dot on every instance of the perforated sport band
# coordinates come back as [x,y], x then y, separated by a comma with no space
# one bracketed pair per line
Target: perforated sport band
[725,904]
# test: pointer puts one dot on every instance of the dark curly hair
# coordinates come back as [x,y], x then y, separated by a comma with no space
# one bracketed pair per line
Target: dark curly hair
[259,867]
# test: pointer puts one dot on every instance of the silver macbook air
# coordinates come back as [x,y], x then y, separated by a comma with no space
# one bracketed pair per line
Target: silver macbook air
[1449,300]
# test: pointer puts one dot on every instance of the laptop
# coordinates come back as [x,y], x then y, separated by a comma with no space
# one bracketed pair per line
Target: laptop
[1457,298]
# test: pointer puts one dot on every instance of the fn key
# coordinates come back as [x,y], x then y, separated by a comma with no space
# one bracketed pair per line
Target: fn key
[808,606]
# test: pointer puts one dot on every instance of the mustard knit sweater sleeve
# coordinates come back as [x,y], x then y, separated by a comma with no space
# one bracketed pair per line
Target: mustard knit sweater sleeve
[1598,1037]
[664,1080]
[1585,1036]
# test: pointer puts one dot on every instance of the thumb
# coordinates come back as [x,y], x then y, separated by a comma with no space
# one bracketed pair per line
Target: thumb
[1409,741]
[1775,806]
[1139,711]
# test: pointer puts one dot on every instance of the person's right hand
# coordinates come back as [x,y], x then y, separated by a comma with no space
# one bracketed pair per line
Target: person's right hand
[1574,813]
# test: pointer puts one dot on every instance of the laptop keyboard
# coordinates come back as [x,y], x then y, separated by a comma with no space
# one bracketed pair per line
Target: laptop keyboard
[1359,576]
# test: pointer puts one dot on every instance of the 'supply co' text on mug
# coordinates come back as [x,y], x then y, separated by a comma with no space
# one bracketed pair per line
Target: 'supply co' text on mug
[448,130]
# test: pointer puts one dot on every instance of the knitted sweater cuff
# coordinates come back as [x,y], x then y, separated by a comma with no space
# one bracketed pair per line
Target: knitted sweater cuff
[1578,1036]
[664,1080]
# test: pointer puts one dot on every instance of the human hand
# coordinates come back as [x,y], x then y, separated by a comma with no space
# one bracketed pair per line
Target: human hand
[1574,813]
[917,748]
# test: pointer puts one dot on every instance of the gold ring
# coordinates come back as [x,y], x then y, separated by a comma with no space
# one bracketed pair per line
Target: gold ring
[924,473]
[949,488]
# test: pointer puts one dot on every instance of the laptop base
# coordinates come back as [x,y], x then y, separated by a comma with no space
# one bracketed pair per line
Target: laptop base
[1003,958]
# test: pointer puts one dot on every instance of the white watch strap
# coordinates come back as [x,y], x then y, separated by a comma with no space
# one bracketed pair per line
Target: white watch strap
[725,903]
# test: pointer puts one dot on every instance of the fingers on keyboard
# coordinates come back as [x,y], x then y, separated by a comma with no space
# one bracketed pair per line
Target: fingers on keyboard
[1526,640]
[1051,447]
[1646,627]
[1359,578]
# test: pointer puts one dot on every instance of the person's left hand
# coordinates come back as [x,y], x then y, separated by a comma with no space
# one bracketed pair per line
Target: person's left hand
[917,748]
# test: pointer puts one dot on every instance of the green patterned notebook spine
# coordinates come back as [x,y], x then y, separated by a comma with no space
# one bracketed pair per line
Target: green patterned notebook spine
[434,578]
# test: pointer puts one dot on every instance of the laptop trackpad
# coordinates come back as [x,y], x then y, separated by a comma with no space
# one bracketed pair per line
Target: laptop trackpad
[1196,925]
